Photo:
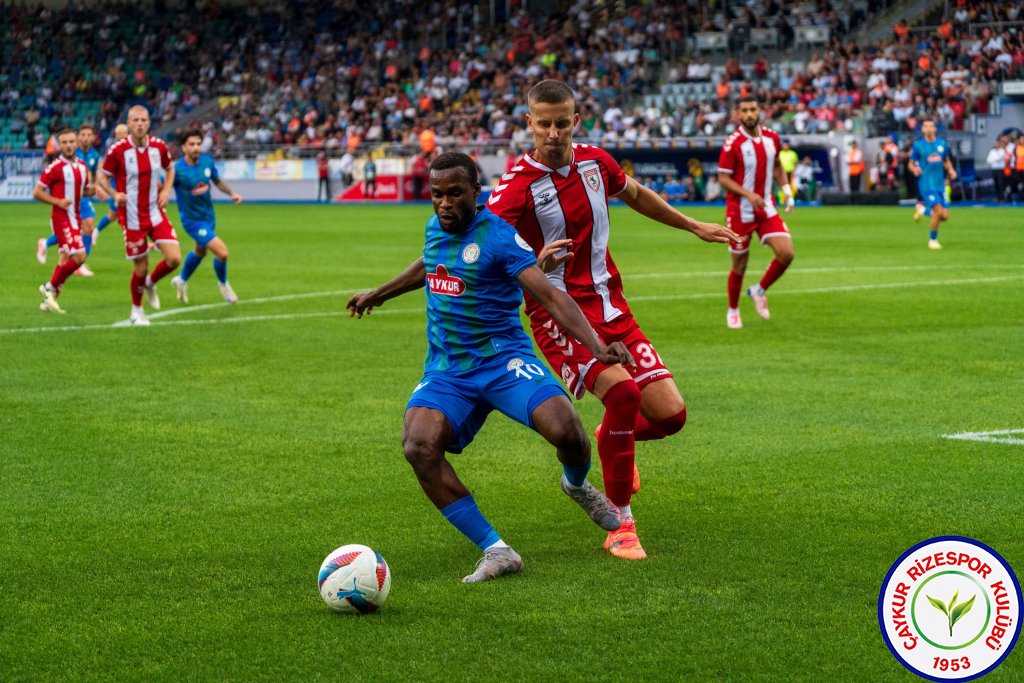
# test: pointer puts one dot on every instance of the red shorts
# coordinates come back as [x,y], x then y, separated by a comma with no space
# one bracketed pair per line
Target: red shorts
[69,238]
[136,244]
[578,367]
[765,227]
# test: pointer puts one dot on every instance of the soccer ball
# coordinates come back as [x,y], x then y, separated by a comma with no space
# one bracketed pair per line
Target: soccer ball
[354,579]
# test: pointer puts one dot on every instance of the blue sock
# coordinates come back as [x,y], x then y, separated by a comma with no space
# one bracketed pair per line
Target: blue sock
[192,261]
[933,234]
[221,269]
[87,241]
[465,516]
[104,222]
[51,241]
[576,475]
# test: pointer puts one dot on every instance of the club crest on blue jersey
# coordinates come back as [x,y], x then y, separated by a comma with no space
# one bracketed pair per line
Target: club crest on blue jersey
[440,282]
[523,243]
[471,253]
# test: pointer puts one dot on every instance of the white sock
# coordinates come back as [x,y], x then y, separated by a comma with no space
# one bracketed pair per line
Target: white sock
[734,310]
[497,544]
[138,310]
[757,289]
[625,510]
[149,282]
[50,288]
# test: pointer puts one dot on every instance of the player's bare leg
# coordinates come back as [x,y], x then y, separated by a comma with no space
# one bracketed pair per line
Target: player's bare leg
[171,251]
[734,287]
[140,267]
[88,230]
[426,433]
[782,245]
[557,421]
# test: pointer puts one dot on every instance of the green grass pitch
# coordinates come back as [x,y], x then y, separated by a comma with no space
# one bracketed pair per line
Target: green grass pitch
[167,494]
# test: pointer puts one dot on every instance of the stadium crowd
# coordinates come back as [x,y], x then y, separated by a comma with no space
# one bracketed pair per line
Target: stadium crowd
[332,76]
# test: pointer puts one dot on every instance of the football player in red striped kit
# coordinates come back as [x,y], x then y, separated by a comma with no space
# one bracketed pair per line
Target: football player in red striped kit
[746,167]
[560,190]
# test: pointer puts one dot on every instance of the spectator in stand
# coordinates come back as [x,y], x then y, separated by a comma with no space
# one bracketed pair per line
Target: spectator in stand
[996,161]
[855,166]
[370,179]
[323,171]
[803,180]
[713,191]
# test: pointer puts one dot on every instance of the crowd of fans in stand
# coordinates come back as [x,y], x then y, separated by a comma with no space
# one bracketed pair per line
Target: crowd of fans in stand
[333,75]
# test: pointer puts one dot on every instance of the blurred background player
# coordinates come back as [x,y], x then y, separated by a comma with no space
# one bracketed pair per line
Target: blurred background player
[135,164]
[930,161]
[194,174]
[746,166]
[62,185]
[85,151]
[560,191]
[120,133]
[479,359]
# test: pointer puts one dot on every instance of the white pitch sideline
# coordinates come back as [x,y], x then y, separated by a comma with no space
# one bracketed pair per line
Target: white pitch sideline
[998,436]
[341,313]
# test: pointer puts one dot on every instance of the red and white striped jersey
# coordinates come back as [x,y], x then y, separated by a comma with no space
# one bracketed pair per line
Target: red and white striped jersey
[66,179]
[136,172]
[546,204]
[751,162]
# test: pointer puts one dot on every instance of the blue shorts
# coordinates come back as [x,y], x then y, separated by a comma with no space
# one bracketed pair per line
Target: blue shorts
[85,209]
[933,199]
[514,384]
[112,204]
[203,233]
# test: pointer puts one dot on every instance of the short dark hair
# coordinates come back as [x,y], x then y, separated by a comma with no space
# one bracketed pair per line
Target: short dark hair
[191,134]
[86,126]
[450,160]
[65,131]
[551,92]
[748,98]
[927,119]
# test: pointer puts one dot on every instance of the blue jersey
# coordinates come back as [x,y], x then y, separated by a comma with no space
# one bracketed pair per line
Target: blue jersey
[193,186]
[90,157]
[931,157]
[473,293]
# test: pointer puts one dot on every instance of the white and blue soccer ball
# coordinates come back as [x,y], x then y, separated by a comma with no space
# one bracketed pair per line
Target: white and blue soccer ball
[354,579]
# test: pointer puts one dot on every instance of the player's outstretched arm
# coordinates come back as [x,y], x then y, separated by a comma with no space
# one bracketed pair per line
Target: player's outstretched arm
[568,315]
[646,201]
[226,189]
[410,279]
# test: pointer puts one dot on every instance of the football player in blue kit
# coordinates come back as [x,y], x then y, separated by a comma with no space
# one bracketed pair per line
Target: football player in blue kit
[930,161]
[479,358]
[194,175]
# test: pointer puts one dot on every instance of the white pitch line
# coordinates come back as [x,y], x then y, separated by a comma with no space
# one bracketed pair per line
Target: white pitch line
[260,300]
[989,437]
[667,297]
[840,288]
[122,324]
[852,269]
